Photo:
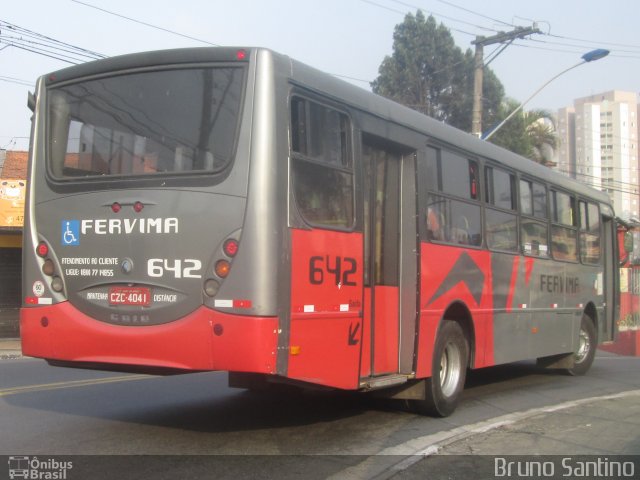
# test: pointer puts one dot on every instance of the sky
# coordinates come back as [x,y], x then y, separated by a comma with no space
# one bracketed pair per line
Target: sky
[348,38]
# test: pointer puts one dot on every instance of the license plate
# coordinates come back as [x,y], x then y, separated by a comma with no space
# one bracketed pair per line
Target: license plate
[138,296]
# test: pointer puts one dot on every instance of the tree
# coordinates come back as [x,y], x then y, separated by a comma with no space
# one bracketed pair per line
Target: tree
[542,135]
[530,134]
[429,73]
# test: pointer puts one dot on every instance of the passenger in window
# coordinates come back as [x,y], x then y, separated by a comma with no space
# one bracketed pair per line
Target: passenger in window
[434,224]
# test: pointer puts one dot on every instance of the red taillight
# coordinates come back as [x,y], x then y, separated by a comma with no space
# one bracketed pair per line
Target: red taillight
[138,207]
[230,247]
[42,249]
[116,207]
[241,54]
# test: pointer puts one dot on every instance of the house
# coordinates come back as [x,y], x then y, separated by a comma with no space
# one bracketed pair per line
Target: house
[13,174]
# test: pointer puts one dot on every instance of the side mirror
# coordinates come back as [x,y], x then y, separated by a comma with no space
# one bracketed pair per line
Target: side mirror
[31,102]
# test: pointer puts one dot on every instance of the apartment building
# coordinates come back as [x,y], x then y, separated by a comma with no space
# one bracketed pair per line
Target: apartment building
[599,146]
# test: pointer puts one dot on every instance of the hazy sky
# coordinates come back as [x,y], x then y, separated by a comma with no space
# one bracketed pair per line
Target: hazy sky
[349,38]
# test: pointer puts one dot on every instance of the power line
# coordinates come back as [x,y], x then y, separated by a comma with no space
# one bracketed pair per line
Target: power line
[447,17]
[166,30]
[591,41]
[12,35]
[602,186]
[451,4]
[17,81]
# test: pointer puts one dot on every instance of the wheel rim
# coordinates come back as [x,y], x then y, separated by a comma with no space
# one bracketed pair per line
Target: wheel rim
[450,369]
[584,346]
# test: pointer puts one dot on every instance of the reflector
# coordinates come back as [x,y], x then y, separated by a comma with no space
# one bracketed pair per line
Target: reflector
[56,284]
[48,267]
[211,287]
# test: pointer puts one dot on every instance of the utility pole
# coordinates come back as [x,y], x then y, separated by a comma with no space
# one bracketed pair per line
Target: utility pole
[480,42]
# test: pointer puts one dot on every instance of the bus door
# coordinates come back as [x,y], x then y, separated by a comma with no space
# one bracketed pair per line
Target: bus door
[382,170]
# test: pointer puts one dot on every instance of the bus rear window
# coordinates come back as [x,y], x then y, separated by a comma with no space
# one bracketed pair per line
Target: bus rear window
[147,123]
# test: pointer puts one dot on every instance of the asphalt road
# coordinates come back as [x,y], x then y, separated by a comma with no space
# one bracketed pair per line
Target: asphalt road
[53,412]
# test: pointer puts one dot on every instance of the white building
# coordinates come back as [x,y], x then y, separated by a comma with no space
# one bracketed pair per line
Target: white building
[599,146]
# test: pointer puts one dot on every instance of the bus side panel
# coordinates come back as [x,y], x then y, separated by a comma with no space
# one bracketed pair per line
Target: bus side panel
[326,308]
[452,275]
[202,340]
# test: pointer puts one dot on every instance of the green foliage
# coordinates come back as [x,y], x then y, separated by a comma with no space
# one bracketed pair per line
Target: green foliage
[429,73]
[530,134]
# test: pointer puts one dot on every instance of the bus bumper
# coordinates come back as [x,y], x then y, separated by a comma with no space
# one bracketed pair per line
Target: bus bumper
[203,340]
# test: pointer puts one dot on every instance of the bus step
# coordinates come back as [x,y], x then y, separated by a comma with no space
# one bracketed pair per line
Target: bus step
[375,383]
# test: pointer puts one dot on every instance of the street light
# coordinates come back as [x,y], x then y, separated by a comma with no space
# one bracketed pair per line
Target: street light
[591,56]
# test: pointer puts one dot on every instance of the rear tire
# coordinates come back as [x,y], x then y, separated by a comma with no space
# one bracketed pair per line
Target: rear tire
[450,360]
[586,352]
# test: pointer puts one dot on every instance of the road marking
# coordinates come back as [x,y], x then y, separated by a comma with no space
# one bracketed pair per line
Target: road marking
[385,464]
[70,384]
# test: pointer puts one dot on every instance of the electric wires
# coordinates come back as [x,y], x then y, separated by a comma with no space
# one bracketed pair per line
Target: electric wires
[24,39]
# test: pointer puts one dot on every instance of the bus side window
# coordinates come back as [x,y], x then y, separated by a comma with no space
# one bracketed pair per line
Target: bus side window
[589,233]
[453,220]
[322,173]
[500,217]
[564,238]
[534,228]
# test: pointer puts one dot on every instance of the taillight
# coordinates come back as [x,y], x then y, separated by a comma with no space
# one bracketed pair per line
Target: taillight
[230,247]
[223,267]
[42,249]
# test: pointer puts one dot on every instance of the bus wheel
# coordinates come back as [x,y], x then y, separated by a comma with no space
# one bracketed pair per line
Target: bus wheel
[587,342]
[450,359]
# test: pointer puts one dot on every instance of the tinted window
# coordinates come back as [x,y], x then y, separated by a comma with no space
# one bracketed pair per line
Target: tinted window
[323,195]
[459,175]
[534,237]
[321,164]
[533,199]
[563,208]
[539,200]
[564,244]
[453,221]
[319,133]
[500,188]
[502,231]
[589,233]
[145,123]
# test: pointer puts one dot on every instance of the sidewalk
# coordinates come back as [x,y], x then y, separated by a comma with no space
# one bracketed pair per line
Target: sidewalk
[603,430]
[10,348]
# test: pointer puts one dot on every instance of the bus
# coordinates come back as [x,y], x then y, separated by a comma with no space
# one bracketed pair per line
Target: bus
[233,209]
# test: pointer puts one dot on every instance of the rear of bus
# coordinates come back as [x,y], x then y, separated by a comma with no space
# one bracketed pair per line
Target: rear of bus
[143,249]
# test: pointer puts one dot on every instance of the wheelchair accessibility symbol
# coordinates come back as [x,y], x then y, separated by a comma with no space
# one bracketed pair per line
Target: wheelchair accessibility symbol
[70,232]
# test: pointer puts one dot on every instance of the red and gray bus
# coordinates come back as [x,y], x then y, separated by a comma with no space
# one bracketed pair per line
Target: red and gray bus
[236,210]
